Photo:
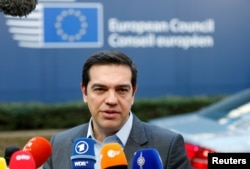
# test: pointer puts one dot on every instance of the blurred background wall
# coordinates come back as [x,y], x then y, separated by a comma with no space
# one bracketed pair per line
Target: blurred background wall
[181,47]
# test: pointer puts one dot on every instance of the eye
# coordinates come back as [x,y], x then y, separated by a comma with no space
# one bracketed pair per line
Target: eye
[123,90]
[99,89]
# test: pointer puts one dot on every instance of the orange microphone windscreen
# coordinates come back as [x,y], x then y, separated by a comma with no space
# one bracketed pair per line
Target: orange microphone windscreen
[40,148]
[112,156]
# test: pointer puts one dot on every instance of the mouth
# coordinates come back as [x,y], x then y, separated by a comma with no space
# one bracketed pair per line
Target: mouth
[110,114]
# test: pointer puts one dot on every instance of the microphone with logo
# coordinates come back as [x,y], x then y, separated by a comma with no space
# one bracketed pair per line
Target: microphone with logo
[17,7]
[22,160]
[9,150]
[83,154]
[3,164]
[40,149]
[147,159]
[113,157]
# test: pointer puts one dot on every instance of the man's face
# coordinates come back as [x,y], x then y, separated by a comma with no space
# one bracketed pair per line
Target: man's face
[109,96]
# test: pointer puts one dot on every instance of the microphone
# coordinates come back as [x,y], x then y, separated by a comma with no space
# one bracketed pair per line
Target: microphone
[22,160]
[17,7]
[83,154]
[3,164]
[40,149]
[113,157]
[147,159]
[9,150]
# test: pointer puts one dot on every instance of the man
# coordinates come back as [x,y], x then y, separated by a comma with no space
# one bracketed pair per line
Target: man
[109,84]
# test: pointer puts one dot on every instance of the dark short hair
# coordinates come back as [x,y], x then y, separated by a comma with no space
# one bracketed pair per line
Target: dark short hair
[108,57]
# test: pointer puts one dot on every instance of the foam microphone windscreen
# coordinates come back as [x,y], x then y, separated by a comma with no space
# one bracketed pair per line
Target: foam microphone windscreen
[3,164]
[147,159]
[83,154]
[40,148]
[17,7]
[22,160]
[113,157]
[9,150]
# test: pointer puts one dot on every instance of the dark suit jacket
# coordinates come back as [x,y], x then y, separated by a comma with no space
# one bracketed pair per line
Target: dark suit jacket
[170,145]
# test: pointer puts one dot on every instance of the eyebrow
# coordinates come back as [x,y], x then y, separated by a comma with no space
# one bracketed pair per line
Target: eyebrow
[101,85]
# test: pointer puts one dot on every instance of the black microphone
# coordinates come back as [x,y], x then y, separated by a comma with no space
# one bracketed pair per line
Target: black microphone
[17,7]
[9,150]
[147,159]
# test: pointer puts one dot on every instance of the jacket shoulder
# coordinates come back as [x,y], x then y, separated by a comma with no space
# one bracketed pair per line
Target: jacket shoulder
[71,134]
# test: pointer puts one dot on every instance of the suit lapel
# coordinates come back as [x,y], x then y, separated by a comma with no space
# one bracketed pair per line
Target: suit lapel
[137,139]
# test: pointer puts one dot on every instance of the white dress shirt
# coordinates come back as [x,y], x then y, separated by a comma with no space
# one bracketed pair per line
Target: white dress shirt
[121,137]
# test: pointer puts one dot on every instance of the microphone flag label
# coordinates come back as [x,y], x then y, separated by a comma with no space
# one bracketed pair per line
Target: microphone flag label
[147,159]
[83,154]
[228,160]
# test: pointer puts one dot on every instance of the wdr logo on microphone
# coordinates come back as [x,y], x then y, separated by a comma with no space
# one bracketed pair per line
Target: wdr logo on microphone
[60,25]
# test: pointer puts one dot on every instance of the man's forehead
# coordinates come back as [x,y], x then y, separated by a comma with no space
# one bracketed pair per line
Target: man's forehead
[113,70]
[125,85]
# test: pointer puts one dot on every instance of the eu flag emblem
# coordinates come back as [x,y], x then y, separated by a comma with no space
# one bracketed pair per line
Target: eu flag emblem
[72,25]
[60,25]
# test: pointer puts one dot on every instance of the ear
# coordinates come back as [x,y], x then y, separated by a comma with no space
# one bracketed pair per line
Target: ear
[135,89]
[84,92]
[133,94]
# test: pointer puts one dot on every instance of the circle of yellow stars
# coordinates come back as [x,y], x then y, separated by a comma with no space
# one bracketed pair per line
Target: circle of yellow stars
[64,35]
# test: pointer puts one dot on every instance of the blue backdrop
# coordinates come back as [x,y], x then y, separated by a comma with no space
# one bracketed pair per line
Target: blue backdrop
[181,47]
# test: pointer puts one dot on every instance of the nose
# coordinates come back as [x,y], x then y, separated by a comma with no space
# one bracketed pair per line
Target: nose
[111,98]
